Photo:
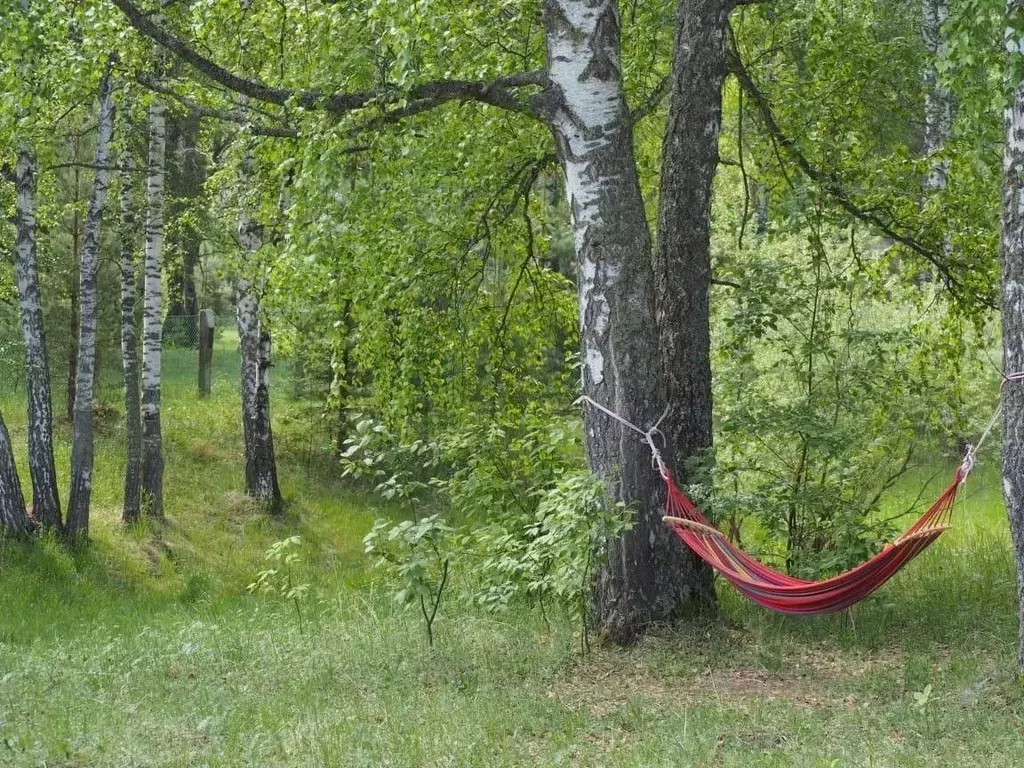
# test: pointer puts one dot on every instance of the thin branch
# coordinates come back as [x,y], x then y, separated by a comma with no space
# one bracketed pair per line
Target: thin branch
[831,184]
[653,100]
[726,283]
[90,166]
[743,171]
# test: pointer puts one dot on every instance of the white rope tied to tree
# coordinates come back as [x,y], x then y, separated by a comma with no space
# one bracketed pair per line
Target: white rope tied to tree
[971,456]
[647,434]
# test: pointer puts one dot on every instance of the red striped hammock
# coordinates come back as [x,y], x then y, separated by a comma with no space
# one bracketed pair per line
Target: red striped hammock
[783,593]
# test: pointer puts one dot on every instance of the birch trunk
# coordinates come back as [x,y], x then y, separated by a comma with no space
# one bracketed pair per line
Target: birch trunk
[152,341]
[260,463]
[682,260]
[45,496]
[639,584]
[13,517]
[1012,279]
[938,106]
[132,506]
[82,444]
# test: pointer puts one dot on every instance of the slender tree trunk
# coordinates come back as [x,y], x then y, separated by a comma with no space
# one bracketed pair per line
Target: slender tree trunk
[13,517]
[1013,310]
[45,496]
[186,174]
[260,463]
[639,584]
[938,105]
[82,445]
[152,342]
[682,260]
[132,505]
[343,377]
[73,330]
[76,257]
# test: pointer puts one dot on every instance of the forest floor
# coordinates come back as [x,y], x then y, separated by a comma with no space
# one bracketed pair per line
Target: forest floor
[146,649]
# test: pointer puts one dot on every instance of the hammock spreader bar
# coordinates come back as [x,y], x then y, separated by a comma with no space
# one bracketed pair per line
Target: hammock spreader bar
[778,591]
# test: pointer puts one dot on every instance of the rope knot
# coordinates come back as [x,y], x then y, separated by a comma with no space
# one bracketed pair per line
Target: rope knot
[657,462]
[970,458]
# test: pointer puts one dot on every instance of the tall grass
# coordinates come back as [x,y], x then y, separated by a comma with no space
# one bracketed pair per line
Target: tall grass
[146,648]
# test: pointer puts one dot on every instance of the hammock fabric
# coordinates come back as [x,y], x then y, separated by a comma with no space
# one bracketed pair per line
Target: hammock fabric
[784,594]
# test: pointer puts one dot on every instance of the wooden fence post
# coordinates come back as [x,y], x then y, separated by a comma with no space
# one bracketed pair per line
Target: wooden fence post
[206,324]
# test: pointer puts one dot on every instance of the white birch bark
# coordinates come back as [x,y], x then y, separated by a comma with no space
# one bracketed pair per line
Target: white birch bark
[82,445]
[260,462]
[586,108]
[132,504]
[45,495]
[938,105]
[1012,279]
[152,331]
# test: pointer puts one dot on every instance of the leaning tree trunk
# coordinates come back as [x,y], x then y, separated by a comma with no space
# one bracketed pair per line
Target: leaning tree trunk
[682,259]
[132,505]
[260,463]
[13,517]
[1013,318]
[152,341]
[938,105]
[641,582]
[82,444]
[45,496]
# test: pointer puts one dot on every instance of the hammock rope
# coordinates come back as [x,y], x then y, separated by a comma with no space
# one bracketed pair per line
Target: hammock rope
[781,592]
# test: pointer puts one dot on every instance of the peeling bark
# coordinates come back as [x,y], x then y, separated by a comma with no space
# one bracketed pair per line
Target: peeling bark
[637,585]
[82,445]
[260,463]
[45,495]
[152,331]
[1012,283]
[682,259]
[132,506]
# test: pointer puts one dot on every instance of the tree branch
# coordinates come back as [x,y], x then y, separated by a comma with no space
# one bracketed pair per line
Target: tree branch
[231,116]
[831,184]
[653,100]
[497,93]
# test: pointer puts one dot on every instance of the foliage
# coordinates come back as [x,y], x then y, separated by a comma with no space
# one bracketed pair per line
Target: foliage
[415,552]
[527,525]
[832,383]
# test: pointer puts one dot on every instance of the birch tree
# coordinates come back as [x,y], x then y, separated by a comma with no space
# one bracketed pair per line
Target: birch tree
[938,105]
[128,235]
[1012,280]
[82,446]
[682,259]
[152,329]
[640,583]
[45,496]
[260,463]
[13,517]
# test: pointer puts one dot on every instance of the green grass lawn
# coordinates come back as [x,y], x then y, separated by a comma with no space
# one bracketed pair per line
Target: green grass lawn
[147,650]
